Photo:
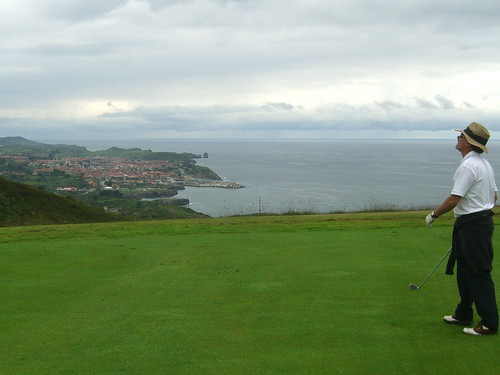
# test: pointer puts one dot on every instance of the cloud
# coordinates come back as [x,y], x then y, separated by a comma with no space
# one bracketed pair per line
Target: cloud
[113,107]
[445,103]
[273,107]
[223,66]
[439,102]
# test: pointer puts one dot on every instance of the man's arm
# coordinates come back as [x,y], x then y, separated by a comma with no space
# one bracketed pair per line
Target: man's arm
[449,204]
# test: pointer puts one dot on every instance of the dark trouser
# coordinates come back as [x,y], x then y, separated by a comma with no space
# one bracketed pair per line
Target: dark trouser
[473,251]
[477,288]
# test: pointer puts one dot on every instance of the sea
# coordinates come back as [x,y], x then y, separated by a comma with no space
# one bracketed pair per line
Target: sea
[315,175]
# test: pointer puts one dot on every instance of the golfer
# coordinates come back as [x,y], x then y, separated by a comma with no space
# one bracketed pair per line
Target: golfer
[473,196]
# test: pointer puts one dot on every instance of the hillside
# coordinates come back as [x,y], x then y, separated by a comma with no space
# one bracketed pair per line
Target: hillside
[25,205]
[25,147]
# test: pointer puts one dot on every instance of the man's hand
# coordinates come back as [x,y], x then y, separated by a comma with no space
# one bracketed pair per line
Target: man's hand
[430,219]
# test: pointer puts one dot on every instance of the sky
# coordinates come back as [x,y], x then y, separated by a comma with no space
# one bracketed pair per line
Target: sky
[129,69]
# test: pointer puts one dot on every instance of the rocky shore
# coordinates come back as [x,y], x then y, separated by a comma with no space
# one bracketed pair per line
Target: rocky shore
[212,183]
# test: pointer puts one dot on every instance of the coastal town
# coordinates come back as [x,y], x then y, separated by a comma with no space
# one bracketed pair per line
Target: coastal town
[135,183]
[106,172]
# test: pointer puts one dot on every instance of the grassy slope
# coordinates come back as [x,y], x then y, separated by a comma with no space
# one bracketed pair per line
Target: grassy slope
[21,204]
[257,295]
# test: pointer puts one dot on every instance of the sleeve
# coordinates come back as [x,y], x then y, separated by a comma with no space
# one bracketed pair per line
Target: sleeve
[464,178]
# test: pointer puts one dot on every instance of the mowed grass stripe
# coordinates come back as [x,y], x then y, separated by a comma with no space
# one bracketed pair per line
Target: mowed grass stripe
[276,295]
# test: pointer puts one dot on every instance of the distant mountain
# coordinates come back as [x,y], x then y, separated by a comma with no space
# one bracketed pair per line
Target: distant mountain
[25,205]
[18,142]
[22,146]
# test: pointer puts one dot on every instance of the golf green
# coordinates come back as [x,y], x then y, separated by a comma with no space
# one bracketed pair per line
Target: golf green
[319,294]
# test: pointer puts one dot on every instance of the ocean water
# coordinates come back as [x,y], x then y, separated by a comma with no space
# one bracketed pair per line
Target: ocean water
[316,175]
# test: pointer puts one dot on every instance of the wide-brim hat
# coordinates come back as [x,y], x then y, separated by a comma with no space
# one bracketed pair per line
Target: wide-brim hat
[477,135]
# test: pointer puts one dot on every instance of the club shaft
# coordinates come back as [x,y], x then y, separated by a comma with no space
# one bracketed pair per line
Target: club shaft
[435,267]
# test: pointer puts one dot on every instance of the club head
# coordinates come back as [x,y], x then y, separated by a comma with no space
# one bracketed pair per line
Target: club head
[414,287]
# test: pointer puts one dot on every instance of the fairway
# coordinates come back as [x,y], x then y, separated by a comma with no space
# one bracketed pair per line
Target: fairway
[319,294]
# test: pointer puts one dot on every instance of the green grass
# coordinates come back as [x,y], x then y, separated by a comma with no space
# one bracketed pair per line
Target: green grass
[22,204]
[319,294]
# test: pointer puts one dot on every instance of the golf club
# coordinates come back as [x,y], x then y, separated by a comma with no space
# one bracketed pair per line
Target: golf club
[415,287]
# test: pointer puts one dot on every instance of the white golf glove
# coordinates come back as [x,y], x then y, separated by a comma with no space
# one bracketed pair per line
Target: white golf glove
[430,219]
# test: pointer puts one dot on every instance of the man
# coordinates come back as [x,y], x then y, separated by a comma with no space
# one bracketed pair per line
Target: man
[473,196]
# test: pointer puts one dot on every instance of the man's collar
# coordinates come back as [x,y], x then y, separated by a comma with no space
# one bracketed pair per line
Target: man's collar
[470,154]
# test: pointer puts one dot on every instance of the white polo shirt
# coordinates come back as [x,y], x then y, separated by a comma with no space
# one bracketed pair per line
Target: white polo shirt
[474,181]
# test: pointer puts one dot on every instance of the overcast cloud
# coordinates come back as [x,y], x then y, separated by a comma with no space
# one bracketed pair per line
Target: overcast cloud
[93,69]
